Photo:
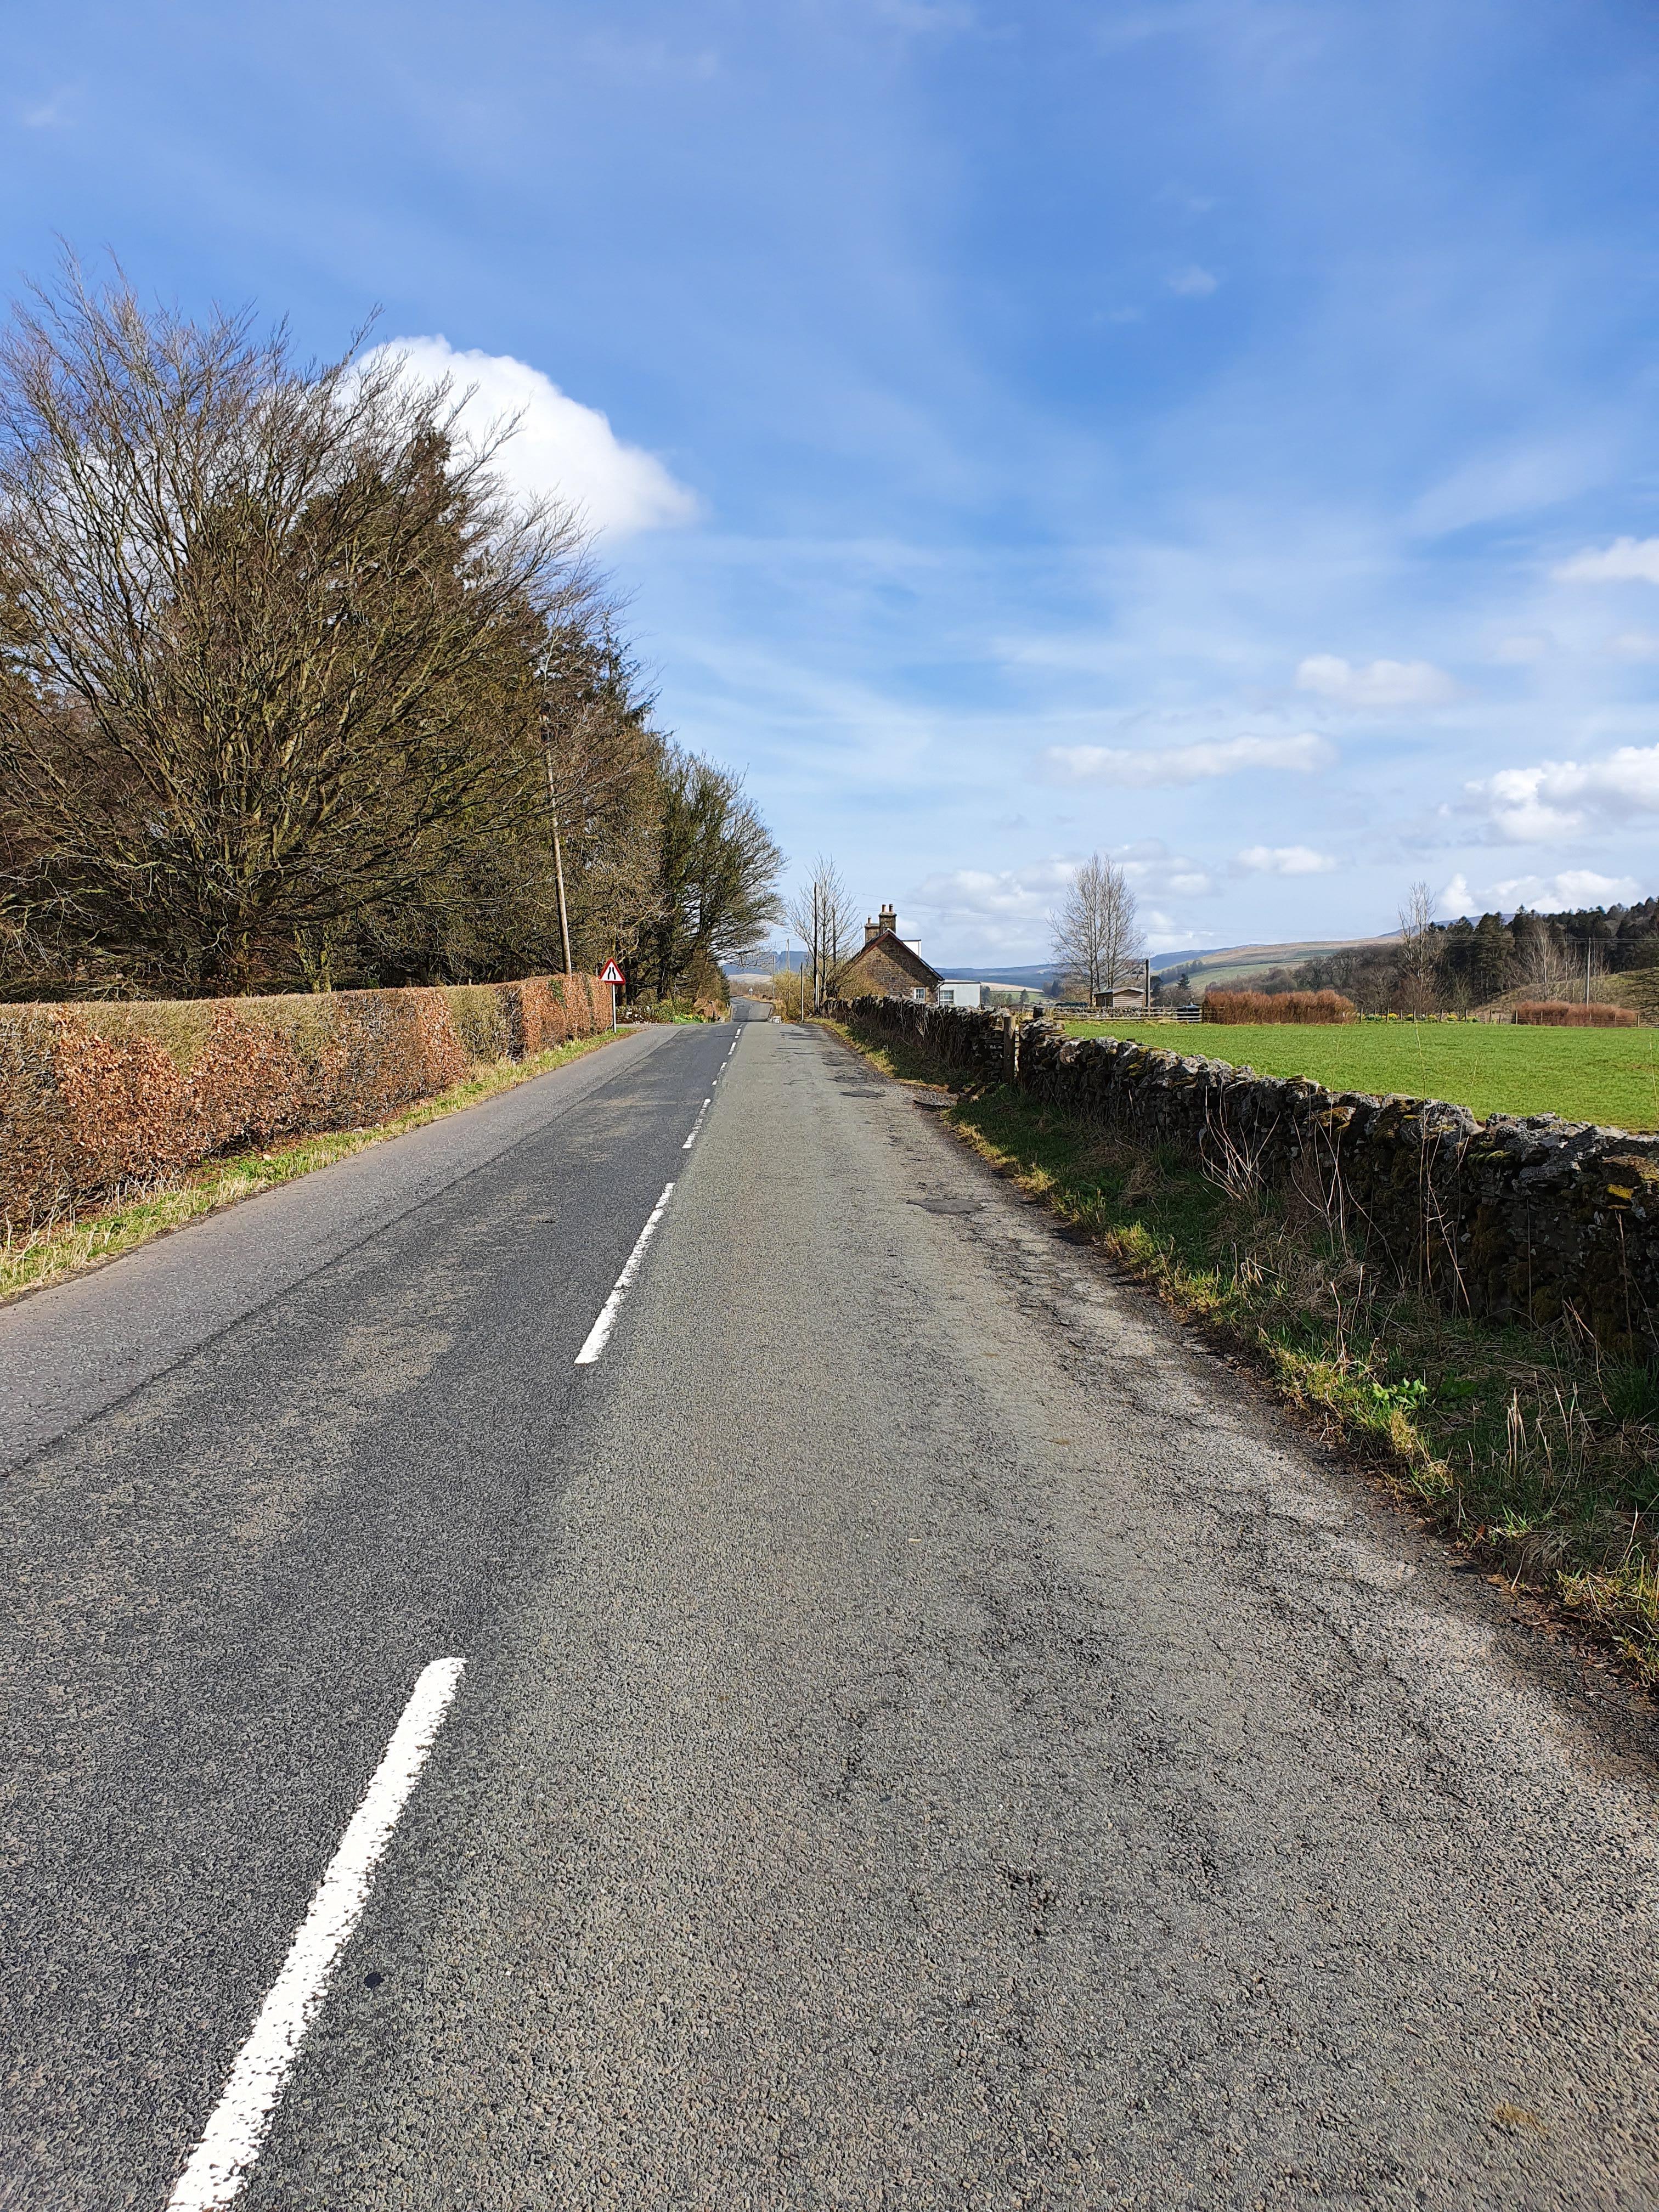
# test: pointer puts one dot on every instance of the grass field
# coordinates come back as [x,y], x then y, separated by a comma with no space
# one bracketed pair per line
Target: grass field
[1610,1076]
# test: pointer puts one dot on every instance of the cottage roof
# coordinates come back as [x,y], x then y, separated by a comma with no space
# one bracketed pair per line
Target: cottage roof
[894,948]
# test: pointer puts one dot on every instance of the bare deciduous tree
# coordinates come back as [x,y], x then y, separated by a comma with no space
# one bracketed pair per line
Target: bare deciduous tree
[824,916]
[1096,933]
[1418,953]
[264,632]
[1545,964]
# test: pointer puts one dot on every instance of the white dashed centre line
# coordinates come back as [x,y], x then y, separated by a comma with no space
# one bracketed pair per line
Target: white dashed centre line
[222,2161]
[598,1335]
[697,1124]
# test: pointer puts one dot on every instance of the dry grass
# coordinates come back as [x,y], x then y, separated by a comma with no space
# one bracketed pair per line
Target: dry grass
[1537,1452]
[70,1247]
[1303,1009]
[1563,1014]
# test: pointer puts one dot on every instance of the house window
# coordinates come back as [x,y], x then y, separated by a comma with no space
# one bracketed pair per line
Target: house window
[920,995]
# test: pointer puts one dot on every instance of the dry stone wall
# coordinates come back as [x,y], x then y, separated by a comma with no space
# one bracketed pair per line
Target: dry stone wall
[96,1100]
[1528,1217]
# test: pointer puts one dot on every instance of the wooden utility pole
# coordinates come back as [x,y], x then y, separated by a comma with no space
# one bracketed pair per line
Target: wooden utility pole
[558,848]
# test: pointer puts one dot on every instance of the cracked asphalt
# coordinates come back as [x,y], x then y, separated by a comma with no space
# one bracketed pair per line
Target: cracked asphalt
[932,1736]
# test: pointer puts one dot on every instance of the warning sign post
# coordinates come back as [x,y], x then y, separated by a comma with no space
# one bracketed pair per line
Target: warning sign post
[612,975]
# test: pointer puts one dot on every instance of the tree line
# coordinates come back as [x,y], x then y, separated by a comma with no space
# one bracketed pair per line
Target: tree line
[293,693]
[1454,967]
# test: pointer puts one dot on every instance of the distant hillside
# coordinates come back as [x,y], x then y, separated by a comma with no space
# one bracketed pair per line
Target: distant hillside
[1231,964]
[1221,964]
[1205,964]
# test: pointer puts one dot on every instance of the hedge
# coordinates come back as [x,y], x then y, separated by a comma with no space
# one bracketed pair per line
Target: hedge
[100,1100]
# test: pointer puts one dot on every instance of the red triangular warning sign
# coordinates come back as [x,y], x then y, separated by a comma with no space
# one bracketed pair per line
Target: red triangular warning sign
[611,974]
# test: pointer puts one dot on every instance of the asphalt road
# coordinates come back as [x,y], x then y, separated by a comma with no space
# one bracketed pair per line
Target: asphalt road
[930,1736]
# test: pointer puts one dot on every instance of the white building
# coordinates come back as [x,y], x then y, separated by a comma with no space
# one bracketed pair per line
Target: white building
[960,993]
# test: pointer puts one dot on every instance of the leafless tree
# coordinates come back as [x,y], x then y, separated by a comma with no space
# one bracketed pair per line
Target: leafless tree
[1418,953]
[824,916]
[1545,965]
[267,634]
[1096,933]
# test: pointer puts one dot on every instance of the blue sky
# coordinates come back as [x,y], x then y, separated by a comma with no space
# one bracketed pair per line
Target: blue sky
[1220,433]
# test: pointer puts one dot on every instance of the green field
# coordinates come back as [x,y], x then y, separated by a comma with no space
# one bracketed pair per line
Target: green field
[1610,1076]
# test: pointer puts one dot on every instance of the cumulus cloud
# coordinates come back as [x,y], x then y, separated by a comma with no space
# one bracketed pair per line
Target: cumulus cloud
[1285,860]
[996,894]
[1559,894]
[1626,560]
[1304,755]
[1378,684]
[561,448]
[1165,933]
[1007,909]
[1560,799]
[1192,283]
[1152,870]
[1457,899]
[1155,872]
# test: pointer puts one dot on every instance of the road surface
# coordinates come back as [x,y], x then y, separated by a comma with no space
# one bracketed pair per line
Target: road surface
[928,1736]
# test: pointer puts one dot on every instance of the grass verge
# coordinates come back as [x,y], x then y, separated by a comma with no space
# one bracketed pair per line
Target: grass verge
[1541,1456]
[70,1247]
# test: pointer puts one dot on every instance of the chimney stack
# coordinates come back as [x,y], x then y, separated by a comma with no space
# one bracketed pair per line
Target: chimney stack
[888,919]
[871,930]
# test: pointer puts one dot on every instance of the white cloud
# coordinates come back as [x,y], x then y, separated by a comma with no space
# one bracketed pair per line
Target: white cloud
[998,895]
[1634,645]
[1304,755]
[1557,894]
[52,113]
[1166,935]
[1154,870]
[1287,860]
[1560,798]
[1513,480]
[1031,892]
[1192,283]
[1378,684]
[1626,560]
[1006,911]
[1519,651]
[561,448]
[1573,887]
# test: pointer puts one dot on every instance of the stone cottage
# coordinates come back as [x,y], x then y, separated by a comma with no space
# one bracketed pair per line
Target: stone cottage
[889,966]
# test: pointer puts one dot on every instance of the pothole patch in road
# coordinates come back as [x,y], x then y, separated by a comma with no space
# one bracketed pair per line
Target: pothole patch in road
[948,1204]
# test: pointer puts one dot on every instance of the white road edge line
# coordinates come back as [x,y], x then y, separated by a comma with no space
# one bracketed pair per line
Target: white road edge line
[697,1124]
[222,2161]
[598,1335]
